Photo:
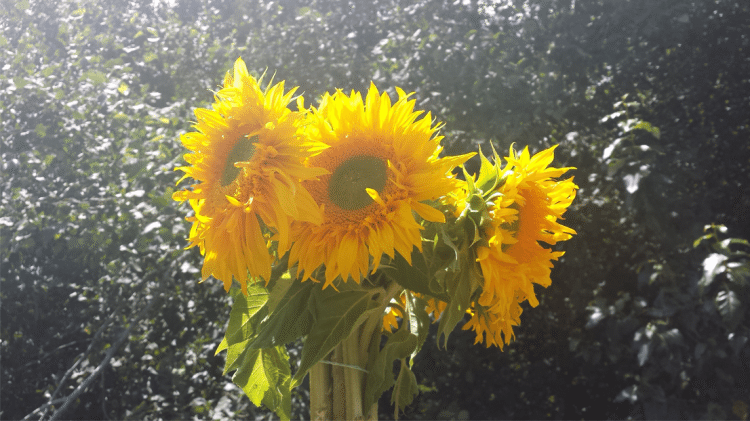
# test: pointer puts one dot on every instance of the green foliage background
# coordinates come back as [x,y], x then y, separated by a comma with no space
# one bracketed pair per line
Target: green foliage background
[649,99]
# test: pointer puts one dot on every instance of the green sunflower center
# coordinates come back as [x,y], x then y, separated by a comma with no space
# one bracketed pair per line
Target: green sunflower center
[348,182]
[242,151]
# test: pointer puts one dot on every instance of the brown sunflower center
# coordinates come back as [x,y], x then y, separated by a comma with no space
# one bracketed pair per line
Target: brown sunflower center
[243,150]
[349,181]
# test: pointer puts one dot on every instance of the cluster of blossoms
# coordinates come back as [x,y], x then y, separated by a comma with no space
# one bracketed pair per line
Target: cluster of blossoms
[340,190]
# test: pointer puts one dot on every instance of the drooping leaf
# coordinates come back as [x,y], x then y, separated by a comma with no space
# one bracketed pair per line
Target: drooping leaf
[405,389]
[419,321]
[380,363]
[243,323]
[460,288]
[414,277]
[291,318]
[335,314]
[265,377]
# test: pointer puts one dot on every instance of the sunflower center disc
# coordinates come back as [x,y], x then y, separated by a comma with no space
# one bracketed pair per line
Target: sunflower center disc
[348,182]
[242,151]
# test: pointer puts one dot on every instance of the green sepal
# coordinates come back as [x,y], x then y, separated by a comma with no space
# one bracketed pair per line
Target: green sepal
[265,377]
[335,315]
[489,174]
[380,363]
[405,389]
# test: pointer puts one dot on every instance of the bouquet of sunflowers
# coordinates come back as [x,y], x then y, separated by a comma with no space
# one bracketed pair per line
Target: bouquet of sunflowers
[342,225]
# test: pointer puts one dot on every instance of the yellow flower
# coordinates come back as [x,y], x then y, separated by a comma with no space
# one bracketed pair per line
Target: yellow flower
[390,321]
[247,159]
[524,214]
[383,163]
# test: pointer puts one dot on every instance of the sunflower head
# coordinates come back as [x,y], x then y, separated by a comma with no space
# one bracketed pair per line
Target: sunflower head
[246,157]
[507,214]
[384,165]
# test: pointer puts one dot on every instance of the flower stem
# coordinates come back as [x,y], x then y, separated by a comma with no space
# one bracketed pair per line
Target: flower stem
[321,402]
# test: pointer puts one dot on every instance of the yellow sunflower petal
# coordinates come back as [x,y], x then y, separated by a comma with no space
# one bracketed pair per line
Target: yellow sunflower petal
[248,162]
[382,160]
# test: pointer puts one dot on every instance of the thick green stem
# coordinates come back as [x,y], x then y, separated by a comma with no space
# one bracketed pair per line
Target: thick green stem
[353,377]
[339,387]
[321,402]
[337,390]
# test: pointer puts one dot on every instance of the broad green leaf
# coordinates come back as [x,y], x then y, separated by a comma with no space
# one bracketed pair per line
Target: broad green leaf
[290,319]
[414,277]
[419,321]
[243,323]
[405,389]
[265,377]
[335,314]
[460,287]
[380,363]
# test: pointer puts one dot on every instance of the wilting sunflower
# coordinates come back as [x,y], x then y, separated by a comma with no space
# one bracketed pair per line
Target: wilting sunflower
[524,212]
[383,164]
[247,159]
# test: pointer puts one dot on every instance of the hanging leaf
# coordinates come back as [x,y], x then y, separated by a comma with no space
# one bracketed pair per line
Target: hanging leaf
[291,318]
[334,314]
[414,277]
[419,321]
[405,389]
[243,323]
[380,362]
[265,377]
[460,288]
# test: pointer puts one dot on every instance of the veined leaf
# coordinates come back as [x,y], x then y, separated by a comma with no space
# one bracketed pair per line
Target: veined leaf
[460,287]
[380,363]
[419,321]
[335,315]
[290,319]
[404,390]
[265,377]
[243,323]
[414,277]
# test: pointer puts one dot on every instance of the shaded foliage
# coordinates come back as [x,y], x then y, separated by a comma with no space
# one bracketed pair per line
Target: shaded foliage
[649,100]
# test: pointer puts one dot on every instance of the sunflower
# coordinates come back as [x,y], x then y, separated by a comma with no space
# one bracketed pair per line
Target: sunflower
[523,213]
[383,164]
[247,159]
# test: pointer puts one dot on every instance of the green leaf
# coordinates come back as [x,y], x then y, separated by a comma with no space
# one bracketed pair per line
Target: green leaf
[644,125]
[380,364]
[405,389]
[729,306]
[419,321]
[489,174]
[713,265]
[460,287]
[414,277]
[335,314]
[265,377]
[243,323]
[290,319]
